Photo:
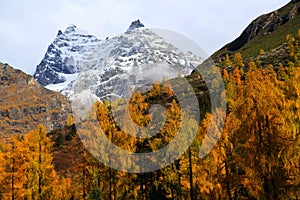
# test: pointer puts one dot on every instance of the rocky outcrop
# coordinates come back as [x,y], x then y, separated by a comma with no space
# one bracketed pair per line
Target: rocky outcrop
[135,24]
[265,24]
[108,67]
[65,55]
[24,103]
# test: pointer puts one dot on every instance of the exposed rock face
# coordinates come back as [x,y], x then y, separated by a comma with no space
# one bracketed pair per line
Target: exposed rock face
[24,103]
[65,55]
[264,24]
[105,69]
[135,24]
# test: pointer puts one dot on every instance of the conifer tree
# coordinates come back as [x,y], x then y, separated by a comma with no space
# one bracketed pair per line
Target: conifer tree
[262,52]
[225,75]
[238,59]
[2,171]
[40,171]
[14,165]
[228,62]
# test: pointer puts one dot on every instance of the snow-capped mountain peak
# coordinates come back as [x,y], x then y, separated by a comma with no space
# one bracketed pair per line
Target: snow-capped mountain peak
[135,24]
[65,55]
[70,29]
[77,62]
[73,30]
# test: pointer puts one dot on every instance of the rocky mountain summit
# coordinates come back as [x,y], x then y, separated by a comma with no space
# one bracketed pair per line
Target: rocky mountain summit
[79,62]
[65,55]
[135,24]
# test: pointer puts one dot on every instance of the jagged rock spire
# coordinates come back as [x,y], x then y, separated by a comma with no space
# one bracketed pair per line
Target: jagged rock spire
[135,24]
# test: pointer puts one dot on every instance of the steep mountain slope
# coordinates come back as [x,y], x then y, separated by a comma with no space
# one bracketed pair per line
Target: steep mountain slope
[266,32]
[112,64]
[65,55]
[24,103]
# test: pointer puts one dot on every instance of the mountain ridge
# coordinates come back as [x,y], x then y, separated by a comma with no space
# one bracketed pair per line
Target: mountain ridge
[24,103]
[61,55]
[111,61]
[266,32]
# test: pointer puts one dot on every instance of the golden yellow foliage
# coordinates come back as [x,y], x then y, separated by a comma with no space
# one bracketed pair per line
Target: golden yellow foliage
[238,59]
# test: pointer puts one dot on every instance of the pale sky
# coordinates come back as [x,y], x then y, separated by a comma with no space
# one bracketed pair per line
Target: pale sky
[28,27]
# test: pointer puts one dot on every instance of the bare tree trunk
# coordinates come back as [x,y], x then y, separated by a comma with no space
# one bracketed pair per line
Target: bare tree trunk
[12,174]
[40,163]
[227,180]
[191,175]
[110,185]
[83,183]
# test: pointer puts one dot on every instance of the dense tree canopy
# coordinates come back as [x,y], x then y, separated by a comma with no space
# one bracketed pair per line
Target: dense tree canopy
[257,156]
